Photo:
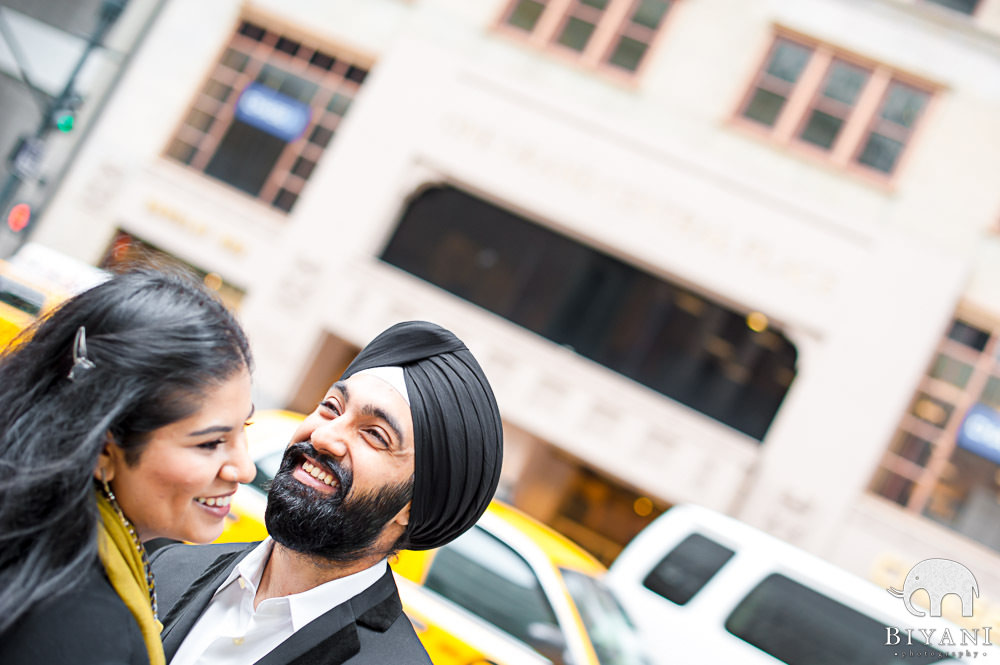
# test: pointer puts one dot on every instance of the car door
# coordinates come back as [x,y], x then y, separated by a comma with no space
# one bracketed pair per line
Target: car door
[487,577]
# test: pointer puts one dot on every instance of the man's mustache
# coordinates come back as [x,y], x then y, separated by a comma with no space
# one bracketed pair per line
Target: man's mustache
[296,453]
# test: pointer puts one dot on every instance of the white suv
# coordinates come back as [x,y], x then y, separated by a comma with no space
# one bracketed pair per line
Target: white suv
[706,588]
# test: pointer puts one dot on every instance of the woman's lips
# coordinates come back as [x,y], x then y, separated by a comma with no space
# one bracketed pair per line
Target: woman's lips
[215,505]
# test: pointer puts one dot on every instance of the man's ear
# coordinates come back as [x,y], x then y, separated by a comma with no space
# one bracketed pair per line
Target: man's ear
[403,516]
[107,459]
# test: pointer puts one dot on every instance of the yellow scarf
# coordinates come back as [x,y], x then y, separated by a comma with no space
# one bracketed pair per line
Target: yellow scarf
[123,564]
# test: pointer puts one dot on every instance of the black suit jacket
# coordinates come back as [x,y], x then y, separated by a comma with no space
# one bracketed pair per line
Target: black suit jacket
[87,626]
[369,629]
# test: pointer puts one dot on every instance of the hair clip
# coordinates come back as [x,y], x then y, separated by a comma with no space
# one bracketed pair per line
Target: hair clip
[80,359]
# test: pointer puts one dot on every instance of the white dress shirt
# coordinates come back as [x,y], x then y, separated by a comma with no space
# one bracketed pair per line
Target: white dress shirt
[231,632]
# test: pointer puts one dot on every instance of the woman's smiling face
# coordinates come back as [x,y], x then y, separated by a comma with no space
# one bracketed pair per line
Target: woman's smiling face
[187,472]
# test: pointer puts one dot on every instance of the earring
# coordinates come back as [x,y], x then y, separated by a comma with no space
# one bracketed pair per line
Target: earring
[109,494]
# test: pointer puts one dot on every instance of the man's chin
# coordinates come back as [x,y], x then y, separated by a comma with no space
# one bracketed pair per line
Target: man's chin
[302,519]
[321,551]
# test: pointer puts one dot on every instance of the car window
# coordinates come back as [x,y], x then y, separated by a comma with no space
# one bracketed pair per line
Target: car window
[21,297]
[489,579]
[613,635]
[267,468]
[801,626]
[687,568]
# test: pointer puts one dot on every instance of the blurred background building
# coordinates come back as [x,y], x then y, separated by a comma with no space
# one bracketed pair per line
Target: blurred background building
[59,59]
[741,253]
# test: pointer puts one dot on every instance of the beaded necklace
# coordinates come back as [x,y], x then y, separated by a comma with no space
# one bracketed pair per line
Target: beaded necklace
[150,580]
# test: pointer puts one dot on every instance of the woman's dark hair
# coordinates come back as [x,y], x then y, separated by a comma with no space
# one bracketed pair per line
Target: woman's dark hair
[158,341]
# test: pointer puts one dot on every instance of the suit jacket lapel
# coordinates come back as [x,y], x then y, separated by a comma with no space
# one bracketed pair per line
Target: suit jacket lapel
[332,638]
[189,607]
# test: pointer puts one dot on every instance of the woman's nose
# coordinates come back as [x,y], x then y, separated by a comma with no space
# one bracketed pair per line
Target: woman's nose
[239,467]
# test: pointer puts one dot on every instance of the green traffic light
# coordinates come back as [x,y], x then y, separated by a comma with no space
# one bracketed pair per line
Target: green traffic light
[64,122]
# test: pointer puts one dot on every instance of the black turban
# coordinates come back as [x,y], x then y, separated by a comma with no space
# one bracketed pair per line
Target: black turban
[458,439]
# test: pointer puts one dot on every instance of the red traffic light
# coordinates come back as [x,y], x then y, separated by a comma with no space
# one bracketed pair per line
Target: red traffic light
[18,217]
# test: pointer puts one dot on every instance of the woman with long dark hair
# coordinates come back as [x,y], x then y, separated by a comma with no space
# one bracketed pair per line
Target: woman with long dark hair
[121,420]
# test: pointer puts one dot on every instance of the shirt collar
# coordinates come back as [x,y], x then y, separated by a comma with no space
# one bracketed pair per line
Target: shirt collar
[308,605]
[250,568]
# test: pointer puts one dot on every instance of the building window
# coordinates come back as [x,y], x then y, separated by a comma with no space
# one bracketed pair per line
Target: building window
[126,251]
[270,107]
[944,461]
[850,111]
[725,364]
[599,513]
[614,33]
[964,6]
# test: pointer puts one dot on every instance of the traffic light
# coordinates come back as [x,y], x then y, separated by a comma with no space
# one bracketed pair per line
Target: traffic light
[63,115]
[18,217]
[64,119]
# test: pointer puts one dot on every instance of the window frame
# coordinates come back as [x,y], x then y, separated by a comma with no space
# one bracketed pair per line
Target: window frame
[614,23]
[859,123]
[923,479]
[820,102]
[282,179]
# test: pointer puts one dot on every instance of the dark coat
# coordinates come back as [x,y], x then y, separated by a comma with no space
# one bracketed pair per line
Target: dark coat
[88,626]
[370,628]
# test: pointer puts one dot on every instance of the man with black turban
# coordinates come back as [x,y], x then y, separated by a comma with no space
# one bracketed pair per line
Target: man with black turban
[403,452]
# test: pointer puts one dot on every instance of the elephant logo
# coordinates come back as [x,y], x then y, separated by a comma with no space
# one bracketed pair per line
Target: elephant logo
[939,578]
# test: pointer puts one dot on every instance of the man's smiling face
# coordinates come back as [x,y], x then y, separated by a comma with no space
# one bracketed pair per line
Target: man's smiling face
[347,476]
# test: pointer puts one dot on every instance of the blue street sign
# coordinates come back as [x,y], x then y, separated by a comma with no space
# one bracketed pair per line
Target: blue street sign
[980,432]
[273,112]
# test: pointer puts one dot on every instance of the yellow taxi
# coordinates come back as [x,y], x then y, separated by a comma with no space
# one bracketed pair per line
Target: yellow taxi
[21,302]
[510,591]
[35,280]
[533,584]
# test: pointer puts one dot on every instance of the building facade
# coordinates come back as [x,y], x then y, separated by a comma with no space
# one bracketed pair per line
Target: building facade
[734,253]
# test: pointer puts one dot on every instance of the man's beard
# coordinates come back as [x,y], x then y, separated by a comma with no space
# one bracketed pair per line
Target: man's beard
[308,521]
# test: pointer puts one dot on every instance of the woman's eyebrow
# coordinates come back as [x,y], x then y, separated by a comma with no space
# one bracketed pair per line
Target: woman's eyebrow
[212,430]
[222,429]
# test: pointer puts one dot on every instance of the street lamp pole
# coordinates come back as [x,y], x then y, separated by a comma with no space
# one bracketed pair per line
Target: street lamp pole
[27,154]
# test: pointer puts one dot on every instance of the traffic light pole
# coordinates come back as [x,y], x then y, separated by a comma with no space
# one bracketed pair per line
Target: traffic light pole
[67,99]
[10,187]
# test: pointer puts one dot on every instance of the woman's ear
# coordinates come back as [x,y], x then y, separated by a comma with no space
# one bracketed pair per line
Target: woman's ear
[107,460]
